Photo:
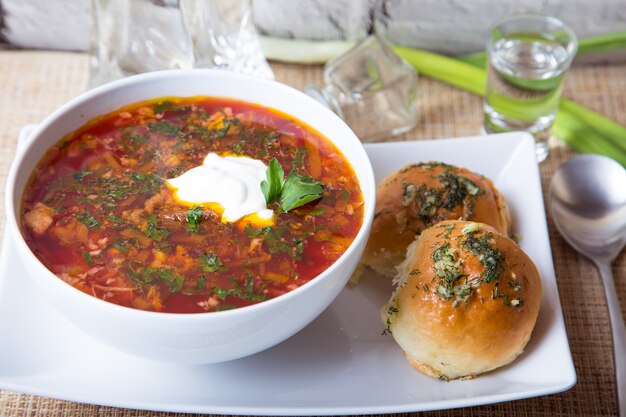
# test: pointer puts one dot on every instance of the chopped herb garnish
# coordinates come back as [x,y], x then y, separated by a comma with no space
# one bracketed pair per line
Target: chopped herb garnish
[227,124]
[515,237]
[252,231]
[456,189]
[408,194]
[495,292]
[448,272]
[201,283]
[88,258]
[490,257]
[149,275]
[238,149]
[88,219]
[194,215]
[298,159]
[276,243]
[114,219]
[80,175]
[250,293]
[154,231]
[163,106]
[136,176]
[164,128]
[246,292]
[470,228]
[319,211]
[299,248]
[392,309]
[446,266]
[514,285]
[429,199]
[448,230]
[136,139]
[120,248]
[444,291]
[143,183]
[210,262]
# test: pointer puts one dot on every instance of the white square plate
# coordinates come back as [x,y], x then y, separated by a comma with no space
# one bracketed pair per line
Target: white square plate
[339,364]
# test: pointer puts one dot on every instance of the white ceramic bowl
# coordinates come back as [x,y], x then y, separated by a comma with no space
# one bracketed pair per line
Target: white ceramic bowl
[191,338]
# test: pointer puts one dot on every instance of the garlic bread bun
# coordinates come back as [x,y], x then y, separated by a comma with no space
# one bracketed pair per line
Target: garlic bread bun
[420,195]
[466,301]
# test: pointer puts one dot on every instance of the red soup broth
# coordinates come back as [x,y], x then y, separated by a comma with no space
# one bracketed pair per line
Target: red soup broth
[98,212]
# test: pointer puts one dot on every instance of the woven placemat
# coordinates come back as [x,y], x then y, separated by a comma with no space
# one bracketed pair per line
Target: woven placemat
[35,83]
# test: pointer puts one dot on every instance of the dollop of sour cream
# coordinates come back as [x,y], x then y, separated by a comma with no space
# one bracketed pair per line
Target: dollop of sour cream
[233,182]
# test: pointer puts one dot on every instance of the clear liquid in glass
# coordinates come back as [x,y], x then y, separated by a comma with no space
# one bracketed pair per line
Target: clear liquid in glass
[525,78]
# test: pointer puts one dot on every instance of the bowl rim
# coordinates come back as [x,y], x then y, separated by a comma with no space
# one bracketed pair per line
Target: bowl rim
[75,103]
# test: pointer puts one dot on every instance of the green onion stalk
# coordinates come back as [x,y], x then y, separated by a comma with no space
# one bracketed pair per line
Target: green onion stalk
[601,43]
[581,128]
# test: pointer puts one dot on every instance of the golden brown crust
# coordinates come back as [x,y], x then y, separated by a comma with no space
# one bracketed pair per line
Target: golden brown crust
[466,302]
[418,196]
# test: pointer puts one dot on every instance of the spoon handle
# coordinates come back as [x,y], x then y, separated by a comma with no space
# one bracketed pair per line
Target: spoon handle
[619,333]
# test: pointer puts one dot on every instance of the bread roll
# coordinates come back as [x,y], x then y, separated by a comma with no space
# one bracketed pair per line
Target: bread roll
[420,195]
[466,301]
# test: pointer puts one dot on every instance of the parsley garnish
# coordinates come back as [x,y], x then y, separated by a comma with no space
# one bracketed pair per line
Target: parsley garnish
[253,232]
[79,175]
[88,219]
[298,159]
[320,211]
[298,191]
[165,128]
[194,215]
[114,219]
[145,183]
[150,275]
[210,262]
[161,107]
[154,231]
[277,243]
[293,192]
[227,124]
[273,185]
[201,283]
[88,258]
[246,292]
[120,248]
[135,139]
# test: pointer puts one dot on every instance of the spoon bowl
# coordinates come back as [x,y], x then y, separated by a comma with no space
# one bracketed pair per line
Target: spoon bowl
[588,203]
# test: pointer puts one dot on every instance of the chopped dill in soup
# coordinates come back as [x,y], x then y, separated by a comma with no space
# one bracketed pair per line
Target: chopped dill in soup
[159,205]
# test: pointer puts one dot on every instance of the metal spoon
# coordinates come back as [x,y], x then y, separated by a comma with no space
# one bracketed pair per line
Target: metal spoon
[588,202]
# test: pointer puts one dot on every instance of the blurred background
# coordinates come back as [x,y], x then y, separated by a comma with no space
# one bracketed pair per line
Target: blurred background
[448,26]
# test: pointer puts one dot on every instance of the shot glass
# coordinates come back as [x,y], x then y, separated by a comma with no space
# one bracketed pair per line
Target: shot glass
[372,89]
[528,57]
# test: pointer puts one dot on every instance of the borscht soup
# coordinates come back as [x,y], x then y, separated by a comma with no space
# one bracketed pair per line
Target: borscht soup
[191,205]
